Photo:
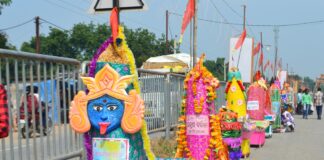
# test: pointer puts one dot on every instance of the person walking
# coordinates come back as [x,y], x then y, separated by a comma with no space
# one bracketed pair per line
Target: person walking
[299,107]
[307,101]
[318,101]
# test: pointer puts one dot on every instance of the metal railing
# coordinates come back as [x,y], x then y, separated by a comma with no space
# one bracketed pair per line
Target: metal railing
[57,80]
[162,93]
[39,90]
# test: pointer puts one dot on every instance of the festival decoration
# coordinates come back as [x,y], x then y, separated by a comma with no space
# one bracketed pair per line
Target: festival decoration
[270,116]
[199,129]
[112,108]
[231,133]
[275,104]
[235,95]
[256,109]
[236,102]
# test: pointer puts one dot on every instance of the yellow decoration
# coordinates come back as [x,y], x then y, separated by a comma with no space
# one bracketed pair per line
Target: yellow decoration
[130,57]
[245,146]
[236,99]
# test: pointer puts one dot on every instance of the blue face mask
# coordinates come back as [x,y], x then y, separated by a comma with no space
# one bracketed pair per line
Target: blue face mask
[105,113]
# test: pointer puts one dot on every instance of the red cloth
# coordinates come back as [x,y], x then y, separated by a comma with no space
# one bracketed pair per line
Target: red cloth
[29,108]
[4,116]
[189,13]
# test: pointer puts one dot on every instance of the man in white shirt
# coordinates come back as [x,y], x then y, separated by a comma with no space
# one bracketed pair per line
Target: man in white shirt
[318,99]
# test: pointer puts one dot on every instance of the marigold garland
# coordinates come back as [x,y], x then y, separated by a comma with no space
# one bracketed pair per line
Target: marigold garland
[216,144]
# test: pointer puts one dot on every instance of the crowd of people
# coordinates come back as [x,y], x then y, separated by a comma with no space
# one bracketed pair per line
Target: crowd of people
[307,102]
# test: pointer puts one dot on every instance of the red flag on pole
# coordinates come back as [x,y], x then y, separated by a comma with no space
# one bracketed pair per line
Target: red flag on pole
[114,23]
[240,41]
[261,59]
[189,13]
[272,67]
[256,50]
[266,65]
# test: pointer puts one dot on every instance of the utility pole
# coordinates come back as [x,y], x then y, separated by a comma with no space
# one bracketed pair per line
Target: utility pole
[261,52]
[37,35]
[244,16]
[175,45]
[276,32]
[167,32]
[195,34]
[224,70]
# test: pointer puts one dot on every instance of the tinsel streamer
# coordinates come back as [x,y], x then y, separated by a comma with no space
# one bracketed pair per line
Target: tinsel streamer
[88,145]
[233,134]
[92,67]
[235,155]
[233,142]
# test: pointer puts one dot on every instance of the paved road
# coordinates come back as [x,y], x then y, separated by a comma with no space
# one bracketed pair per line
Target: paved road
[306,143]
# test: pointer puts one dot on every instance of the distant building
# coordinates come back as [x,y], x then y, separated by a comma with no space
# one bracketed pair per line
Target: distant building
[319,81]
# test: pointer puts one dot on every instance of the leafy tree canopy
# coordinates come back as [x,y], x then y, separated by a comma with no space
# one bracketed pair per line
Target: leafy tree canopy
[84,39]
[216,68]
[4,42]
[4,3]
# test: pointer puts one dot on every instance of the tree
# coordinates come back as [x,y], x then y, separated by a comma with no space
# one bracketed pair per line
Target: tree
[216,68]
[57,43]
[310,83]
[4,3]
[4,42]
[84,39]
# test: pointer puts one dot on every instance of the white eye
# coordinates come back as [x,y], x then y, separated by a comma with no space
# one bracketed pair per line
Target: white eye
[97,108]
[112,108]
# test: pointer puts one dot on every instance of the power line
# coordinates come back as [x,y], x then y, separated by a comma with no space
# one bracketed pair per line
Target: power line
[239,15]
[234,11]
[18,25]
[257,25]
[78,13]
[46,21]
[220,13]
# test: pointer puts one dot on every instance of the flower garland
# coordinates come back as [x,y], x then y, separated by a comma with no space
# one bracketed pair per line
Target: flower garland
[209,80]
[216,144]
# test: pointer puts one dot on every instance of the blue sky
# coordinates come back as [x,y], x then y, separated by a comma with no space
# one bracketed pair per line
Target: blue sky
[299,46]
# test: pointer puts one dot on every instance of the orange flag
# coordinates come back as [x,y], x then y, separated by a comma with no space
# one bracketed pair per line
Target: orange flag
[261,59]
[256,50]
[240,41]
[189,13]
[114,23]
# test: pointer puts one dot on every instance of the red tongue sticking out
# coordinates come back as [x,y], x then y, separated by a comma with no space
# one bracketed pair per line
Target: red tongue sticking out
[103,127]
